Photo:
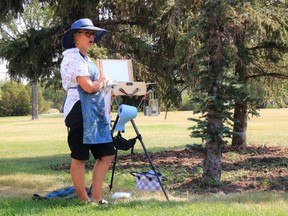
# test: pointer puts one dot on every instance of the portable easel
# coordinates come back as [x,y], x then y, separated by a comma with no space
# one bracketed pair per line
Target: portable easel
[138,137]
[121,71]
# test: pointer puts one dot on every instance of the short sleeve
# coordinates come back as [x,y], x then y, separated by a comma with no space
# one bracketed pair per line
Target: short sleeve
[72,66]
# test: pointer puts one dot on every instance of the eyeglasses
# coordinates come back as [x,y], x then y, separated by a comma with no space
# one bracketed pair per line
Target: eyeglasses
[87,33]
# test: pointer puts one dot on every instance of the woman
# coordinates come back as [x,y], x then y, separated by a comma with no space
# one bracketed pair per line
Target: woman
[84,109]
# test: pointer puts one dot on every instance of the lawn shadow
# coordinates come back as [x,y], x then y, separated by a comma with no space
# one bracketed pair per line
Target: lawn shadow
[255,169]
[265,168]
[31,165]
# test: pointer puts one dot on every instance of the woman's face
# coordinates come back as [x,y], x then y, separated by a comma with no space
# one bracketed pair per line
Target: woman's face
[84,38]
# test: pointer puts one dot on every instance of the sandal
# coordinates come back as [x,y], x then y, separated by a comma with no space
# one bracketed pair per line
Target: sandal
[103,202]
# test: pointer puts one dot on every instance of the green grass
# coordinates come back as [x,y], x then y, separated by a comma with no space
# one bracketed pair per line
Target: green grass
[270,128]
[210,205]
[28,149]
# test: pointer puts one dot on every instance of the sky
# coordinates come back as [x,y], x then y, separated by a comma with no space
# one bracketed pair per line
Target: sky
[3,71]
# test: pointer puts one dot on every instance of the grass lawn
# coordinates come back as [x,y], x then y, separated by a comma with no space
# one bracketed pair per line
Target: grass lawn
[30,151]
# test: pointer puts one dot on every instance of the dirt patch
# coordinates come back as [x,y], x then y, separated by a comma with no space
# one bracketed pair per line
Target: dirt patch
[253,168]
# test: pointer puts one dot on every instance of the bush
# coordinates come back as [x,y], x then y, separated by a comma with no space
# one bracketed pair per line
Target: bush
[55,97]
[15,100]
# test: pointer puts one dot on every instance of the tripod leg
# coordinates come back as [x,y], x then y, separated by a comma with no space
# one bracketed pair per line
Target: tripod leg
[115,158]
[113,171]
[148,157]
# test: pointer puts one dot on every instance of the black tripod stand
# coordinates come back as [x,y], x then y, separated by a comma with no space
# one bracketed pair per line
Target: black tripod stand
[139,137]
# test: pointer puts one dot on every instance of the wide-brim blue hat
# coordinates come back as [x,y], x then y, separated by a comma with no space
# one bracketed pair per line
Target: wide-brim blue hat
[68,38]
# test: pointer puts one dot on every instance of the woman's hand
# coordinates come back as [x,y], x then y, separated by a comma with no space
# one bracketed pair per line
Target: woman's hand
[103,79]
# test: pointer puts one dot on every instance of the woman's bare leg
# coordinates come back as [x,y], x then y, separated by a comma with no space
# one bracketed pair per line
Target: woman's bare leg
[77,171]
[99,171]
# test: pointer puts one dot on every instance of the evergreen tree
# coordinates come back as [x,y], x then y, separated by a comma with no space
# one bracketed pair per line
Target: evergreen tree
[259,33]
[221,47]
[26,43]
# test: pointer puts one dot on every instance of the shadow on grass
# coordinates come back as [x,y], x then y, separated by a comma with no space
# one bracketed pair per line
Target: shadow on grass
[265,169]
[255,169]
[251,169]
[258,164]
[31,165]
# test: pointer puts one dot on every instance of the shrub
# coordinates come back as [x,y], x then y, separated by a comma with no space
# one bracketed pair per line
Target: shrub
[15,100]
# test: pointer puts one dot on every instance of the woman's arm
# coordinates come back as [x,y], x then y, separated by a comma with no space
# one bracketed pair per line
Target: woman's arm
[90,86]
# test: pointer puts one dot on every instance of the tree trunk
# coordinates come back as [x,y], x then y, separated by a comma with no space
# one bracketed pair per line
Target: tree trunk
[34,100]
[212,162]
[212,167]
[240,124]
[241,108]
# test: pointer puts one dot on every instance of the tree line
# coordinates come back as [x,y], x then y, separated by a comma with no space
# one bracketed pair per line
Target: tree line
[219,51]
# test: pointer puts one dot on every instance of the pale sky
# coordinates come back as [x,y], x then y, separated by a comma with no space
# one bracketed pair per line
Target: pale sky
[3,71]
[3,68]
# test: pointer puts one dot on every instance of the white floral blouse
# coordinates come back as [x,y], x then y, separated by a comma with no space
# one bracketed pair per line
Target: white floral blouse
[72,66]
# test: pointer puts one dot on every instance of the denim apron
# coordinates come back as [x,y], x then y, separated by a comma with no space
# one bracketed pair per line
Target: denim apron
[96,129]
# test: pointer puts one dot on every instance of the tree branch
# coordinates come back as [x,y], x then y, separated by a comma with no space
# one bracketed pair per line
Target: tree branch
[271,74]
[269,45]
[110,22]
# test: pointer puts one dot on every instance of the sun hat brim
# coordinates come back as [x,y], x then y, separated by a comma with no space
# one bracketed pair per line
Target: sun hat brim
[68,38]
